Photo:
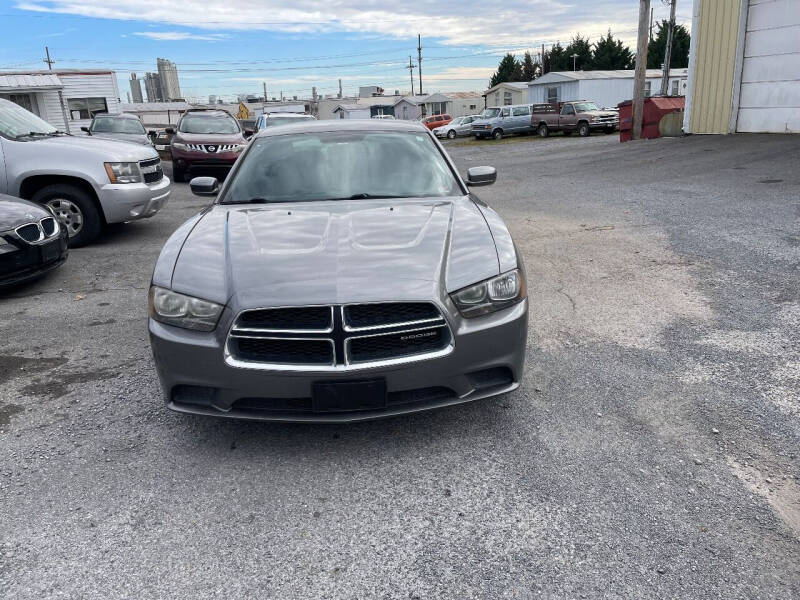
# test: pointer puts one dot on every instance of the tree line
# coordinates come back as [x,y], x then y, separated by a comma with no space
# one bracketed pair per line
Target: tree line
[607,53]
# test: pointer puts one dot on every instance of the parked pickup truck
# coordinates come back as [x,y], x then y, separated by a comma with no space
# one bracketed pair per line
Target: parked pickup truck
[86,182]
[579,115]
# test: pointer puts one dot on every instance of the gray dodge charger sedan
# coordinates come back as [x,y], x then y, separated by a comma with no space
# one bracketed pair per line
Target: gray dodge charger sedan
[343,272]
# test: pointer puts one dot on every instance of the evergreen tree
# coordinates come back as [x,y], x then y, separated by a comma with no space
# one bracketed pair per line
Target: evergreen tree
[530,69]
[555,59]
[509,69]
[580,46]
[610,54]
[680,47]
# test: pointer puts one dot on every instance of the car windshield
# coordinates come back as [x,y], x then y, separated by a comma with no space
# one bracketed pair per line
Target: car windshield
[112,125]
[490,113]
[208,124]
[457,121]
[340,165]
[585,106]
[16,122]
[275,121]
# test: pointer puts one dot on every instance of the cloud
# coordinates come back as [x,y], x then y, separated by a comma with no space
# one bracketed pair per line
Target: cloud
[474,22]
[176,36]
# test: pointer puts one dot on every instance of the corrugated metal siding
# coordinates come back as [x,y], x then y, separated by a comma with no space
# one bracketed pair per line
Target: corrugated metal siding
[90,86]
[770,93]
[714,67]
[50,109]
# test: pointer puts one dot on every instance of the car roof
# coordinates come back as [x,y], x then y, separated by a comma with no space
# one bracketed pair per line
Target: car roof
[116,116]
[311,125]
[208,112]
[287,114]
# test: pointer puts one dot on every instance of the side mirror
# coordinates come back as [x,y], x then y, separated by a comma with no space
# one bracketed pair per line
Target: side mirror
[248,132]
[204,186]
[152,133]
[86,129]
[170,130]
[478,176]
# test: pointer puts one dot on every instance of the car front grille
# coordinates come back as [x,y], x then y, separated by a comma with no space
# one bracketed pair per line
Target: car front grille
[337,337]
[608,119]
[212,148]
[151,170]
[38,232]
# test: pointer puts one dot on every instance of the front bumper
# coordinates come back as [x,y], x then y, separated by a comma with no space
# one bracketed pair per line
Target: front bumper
[123,202]
[487,359]
[188,160]
[29,261]
[604,125]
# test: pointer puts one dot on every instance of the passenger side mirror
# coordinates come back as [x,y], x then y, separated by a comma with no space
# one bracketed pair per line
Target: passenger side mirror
[248,133]
[170,130]
[478,176]
[204,186]
[86,129]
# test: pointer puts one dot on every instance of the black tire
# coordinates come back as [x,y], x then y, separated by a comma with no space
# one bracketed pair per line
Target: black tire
[543,130]
[583,129]
[178,174]
[497,134]
[75,208]
[451,135]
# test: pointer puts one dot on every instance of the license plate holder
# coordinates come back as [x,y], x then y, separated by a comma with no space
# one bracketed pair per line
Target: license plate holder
[343,396]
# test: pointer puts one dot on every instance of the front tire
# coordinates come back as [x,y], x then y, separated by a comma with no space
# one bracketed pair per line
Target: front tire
[543,130]
[75,209]
[497,134]
[451,135]
[583,129]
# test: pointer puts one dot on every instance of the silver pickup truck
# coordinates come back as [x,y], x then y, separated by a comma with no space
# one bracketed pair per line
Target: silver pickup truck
[87,182]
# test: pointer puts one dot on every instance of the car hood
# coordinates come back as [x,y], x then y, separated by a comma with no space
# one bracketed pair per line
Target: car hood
[600,113]
[16,211]
[335,252]
[210,138]
[104,150]
[136,138]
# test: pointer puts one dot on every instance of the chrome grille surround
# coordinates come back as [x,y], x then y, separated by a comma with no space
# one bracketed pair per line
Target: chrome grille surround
[42,226]
[212,148]
[386,337]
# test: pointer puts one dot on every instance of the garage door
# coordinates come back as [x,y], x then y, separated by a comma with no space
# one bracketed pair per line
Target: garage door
[770,93]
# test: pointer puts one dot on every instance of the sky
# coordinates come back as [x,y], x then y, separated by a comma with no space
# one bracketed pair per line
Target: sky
[230,47]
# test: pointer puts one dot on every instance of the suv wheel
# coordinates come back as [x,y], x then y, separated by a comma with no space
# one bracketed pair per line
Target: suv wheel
[543,130]
[583,129]
[451,135]
[497,134]
[75,209]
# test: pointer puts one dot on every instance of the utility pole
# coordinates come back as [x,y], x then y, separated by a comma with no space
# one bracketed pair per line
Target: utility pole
[668,50]
[340,88]
[48,60]
[265,90]
[543,71]
[641,70]
[419,61]
[410,68]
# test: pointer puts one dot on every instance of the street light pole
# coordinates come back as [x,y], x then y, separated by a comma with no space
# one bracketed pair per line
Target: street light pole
[574,56]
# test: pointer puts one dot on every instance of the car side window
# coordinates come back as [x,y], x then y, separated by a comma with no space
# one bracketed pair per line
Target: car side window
[504,112]
[568,110]
[520,111]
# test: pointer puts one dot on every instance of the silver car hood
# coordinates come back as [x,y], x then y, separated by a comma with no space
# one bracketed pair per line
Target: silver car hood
[136,138]
[331,252]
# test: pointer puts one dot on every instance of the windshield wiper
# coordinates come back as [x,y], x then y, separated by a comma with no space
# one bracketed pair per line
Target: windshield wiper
[249,201]
[34,134]
[365,196]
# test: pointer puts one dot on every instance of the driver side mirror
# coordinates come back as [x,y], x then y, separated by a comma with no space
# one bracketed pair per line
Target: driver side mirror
[248,133]
[478,176]
[86,129]
[204,186]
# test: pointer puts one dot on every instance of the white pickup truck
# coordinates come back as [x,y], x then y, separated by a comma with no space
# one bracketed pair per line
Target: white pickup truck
[88,182]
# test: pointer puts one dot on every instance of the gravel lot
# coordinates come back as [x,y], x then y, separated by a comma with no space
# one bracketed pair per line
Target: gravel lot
[651,453]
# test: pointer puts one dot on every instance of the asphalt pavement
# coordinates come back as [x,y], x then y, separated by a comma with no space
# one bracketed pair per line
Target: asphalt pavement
[652,451]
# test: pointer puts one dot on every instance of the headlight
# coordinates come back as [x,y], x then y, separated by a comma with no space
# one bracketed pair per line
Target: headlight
[179,146]
[184,311]
[490,295]
[594,119]
[123,172]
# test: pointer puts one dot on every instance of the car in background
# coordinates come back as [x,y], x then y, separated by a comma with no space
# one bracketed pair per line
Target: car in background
[498,121]
[277,119]
[32,241]
[205,139]
[460,126]
[582,116]
[88,182]
[122,127]
[345,271]
[435,121]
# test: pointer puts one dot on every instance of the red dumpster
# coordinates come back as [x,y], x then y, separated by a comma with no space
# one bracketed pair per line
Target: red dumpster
[654,110]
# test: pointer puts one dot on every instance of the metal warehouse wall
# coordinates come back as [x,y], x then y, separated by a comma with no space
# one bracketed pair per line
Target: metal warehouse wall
[715,44]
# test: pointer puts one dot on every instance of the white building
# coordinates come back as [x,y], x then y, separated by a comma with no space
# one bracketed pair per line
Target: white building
[506,93]
[410,108]
[606,88]
[351,111]
[156,114]
[65,98]
[353,108]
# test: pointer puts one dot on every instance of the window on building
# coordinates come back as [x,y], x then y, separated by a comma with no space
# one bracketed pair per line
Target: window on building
[24,100]
[473,106]
[675,87]
[86,108]
[438,108]
[647,86]
[552,95]
[507,99]
[497,98]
